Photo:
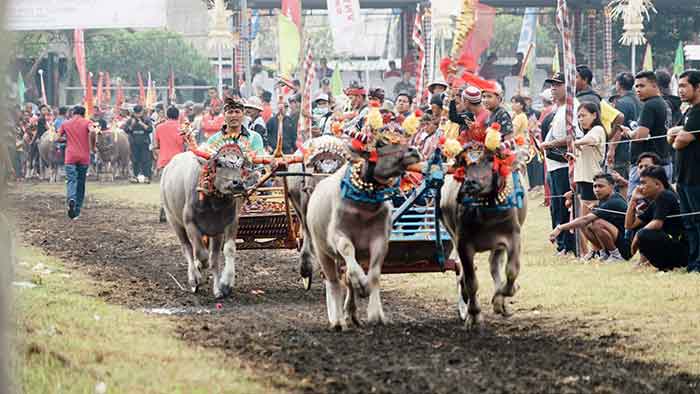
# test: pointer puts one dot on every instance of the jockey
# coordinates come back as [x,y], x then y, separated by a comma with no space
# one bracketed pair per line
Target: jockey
[493,100]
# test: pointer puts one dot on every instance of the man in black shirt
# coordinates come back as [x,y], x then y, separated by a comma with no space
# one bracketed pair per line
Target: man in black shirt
[628,103]
[289,126]
[584,91]
[660,237]
[654,120]
[604,227]
[687,146]
[138,128]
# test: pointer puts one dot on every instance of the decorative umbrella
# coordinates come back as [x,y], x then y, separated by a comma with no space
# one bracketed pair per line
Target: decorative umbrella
[633,13]
[220,36]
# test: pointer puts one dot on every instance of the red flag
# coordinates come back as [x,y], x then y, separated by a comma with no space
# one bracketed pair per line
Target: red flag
[89,101]
[79,49]
[99,88]
[119,100]
[292,9]
[108,89]
[142,91]
[419,40]
[479,38]
[171,87]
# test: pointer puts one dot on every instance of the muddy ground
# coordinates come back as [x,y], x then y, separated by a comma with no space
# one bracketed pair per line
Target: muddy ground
[279,332]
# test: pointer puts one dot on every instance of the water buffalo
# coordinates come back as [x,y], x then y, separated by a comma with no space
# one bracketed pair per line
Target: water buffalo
[324,156]
[113,152]
[52,153]
[477,214]
[349,220]
[201,195]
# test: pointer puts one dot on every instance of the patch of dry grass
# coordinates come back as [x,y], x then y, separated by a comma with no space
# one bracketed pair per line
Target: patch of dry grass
[69,342]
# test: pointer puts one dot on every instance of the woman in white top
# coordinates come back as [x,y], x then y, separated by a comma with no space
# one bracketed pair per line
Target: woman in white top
[590,151]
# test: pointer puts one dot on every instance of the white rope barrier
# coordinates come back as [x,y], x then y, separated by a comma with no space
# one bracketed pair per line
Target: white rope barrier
[680,215]
[648,138]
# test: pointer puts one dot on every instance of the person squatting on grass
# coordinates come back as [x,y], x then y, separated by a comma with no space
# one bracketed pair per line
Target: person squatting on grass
[604,229]
[660,236]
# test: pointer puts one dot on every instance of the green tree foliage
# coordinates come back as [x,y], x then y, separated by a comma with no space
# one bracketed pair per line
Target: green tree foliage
[506,34]
[124,53]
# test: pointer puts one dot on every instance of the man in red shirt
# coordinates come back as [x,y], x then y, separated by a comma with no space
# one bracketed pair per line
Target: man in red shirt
[212,122]
[80,143]
[167,143]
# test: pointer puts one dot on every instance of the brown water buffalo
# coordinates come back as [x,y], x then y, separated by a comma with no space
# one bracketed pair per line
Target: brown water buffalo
[52,154]
[325,155]
[478,220]
[113,153]
[202,196]
[346,228]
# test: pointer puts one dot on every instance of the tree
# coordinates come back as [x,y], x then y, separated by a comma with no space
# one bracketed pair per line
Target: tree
[124,53]
[507,33]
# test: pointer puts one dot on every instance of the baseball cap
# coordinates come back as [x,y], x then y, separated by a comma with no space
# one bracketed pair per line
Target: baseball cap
[556,78]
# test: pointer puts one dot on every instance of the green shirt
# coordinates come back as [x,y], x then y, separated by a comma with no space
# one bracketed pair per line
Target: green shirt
[252,139]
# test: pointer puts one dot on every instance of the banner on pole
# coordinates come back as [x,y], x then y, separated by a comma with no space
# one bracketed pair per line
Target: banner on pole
[345,19]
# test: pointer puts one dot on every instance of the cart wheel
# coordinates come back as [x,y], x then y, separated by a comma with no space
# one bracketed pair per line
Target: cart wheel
[461,305]
[306,282]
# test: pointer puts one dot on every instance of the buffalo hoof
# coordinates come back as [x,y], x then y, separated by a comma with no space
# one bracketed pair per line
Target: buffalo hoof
[337,327]
[224,291]
[500,307]
[473,323]
[378,319]
[306,282]
[194,288]
[360,286]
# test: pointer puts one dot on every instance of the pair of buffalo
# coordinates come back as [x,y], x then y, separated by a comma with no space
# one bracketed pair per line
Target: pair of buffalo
[113,153]
[342,231]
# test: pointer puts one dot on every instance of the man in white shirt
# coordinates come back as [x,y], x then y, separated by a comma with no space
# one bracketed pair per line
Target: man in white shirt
[557,165]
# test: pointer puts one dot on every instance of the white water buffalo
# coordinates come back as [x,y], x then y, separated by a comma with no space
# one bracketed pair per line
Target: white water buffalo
[201,196]
[349,221]
[476,213]
[113,152]
[324,156]
[52,154]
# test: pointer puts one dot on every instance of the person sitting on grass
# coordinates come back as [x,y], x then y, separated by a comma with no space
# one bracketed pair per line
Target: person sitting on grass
[603,227]
[660,236]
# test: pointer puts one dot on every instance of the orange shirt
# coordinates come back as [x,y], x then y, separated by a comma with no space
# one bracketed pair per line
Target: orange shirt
[211,124]
[169,141]
[266,112]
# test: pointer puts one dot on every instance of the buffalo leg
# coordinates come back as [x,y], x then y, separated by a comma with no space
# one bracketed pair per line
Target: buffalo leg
[496,262]
[334,291]
[185,245]
[228,275]
[509,288]
[350,307]
[215,246]
[377,251]
[470,284]
[356,275]
[200,256]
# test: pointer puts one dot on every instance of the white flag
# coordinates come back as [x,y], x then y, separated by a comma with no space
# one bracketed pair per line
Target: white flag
[345,20]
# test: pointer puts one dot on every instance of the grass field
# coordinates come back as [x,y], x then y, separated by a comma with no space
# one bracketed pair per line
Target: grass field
[68,341]
[656,312]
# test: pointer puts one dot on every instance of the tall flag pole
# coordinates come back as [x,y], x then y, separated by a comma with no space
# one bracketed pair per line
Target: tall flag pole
[100,91]
[142,92]
[79,53]
[309,77]
[119,99]
[89,101]
[21,89]
[570,75]
[43,88]
[419,41]
[108,90]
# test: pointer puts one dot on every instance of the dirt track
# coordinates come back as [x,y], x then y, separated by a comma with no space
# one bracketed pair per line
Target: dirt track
[282,334]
